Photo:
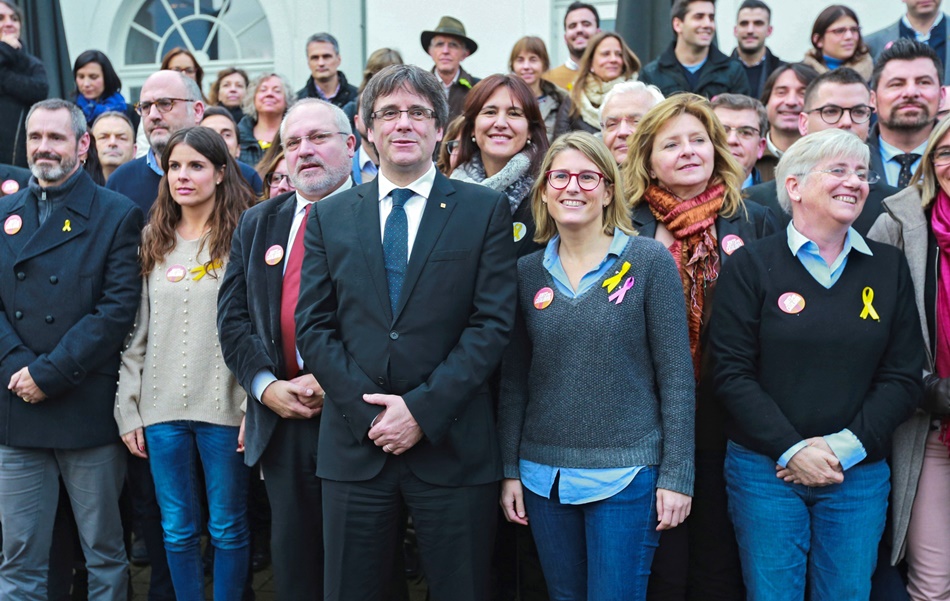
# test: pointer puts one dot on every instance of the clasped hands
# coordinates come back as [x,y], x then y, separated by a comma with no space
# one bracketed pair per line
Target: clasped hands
[813,465]
[299,398]
[22,385]
[394,429]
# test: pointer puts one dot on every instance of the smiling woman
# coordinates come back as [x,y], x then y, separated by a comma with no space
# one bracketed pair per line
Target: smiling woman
[606,62]
[529,61]
[267,99]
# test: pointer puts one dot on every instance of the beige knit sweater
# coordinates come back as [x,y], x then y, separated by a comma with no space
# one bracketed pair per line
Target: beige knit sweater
[173,368]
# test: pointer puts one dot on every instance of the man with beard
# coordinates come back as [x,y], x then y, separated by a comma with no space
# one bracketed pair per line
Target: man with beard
[753,26]
[115,141]
[69,295]
[581,22]
[906,92]
[169,101]
[256,326]
[923,22]
[783,97]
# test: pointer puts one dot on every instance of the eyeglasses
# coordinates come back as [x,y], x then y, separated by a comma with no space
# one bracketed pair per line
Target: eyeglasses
[941,156]
[840,31]
[185,70]
[745,132]
[611,124]
[453,146]
[865,175]
[162,104]
[315,137]
[275,179]
[586,180]
[416,113]
[831,113]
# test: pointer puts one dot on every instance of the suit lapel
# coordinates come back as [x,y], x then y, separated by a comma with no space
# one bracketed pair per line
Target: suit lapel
[366,223]
[439,207]
[643,220]
[276,234]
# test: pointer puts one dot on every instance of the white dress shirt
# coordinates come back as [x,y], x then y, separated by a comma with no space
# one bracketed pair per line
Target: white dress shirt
[414,207]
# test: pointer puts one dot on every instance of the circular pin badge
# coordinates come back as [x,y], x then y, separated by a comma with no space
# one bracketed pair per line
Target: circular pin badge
[176,273]
[274,254]
[791,303]
[732,243]
[520,231]
[13,224]
[543,298]
[10,187]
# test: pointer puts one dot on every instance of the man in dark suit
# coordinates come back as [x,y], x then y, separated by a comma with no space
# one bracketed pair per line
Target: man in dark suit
[255,322]
[407,302]
[68,296]
[837,99]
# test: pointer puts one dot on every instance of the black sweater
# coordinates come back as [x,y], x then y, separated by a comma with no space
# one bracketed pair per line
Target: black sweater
[785,377]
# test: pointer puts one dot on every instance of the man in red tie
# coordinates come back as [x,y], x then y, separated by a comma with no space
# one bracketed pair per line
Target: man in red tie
[256,326]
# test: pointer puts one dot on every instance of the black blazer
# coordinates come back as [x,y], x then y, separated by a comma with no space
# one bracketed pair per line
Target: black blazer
[68,297]
[249,310]
[447,335]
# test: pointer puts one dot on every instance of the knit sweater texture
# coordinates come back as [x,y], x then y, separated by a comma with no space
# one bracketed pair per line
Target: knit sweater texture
[173,368]
[589,383]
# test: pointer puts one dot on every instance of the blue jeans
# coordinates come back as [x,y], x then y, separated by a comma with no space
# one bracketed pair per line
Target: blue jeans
[790,534]
[599,551]
[172,448]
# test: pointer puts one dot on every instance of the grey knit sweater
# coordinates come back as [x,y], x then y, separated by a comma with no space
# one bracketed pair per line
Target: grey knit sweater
[588,383]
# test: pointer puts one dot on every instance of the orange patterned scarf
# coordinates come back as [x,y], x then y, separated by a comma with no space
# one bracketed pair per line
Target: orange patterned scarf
[694,249]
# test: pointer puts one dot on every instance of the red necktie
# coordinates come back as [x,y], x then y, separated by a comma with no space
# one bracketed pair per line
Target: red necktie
[289,293]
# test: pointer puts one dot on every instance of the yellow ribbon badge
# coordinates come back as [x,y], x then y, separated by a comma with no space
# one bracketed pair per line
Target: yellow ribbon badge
[67,227]
[612,282]
[202,270]
[868,297]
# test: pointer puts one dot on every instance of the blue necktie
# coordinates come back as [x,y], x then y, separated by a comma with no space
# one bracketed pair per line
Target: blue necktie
[396,245]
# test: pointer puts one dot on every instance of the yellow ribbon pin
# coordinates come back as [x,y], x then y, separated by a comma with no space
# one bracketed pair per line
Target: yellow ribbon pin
[202,270]
[611,283]
[67,227]
[868,297]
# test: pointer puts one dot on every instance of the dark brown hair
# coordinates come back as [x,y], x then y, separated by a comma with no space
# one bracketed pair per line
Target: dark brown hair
[199,72]
[826,19]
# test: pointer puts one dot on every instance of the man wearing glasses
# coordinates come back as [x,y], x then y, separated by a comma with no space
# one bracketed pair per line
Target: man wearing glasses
[169,101]
[746,123]
[257,330]
[837,99]
[449,46]
[407,300]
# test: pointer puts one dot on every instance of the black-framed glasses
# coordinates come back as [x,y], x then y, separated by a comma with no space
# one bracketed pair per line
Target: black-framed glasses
[162,104]
[275,179]
[416,113]
[865,175]
[315,137]
[744,132]
[586,180]
[831,113]
[453,146]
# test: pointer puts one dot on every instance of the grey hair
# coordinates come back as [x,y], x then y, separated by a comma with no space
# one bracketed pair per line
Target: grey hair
[192,91]
[411,78]
[741,102]
[76,118]
[802,157]
[248,106]
[115,114]
[339,117]
[324,38]
[630,87]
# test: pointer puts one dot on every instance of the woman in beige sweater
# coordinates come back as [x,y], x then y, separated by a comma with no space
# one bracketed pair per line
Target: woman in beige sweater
[177,402]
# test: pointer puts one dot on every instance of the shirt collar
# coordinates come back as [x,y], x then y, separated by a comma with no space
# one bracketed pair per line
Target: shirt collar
[617,245]
[422,186]
[772,147]
[570,64]
[454,79]
[922,37]
[303,202]
[364,158]
[324,96]
[889,152]
[152,161]
[852,240]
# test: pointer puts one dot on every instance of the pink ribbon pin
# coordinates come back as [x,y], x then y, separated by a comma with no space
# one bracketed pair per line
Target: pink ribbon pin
[617,297]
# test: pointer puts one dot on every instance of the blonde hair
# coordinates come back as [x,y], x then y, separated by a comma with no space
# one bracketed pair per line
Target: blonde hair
[636,168]
[616,214]
[925,178]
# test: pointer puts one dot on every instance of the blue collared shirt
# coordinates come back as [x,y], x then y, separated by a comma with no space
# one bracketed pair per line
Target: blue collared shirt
[153,163]
[578,485]
[846,446]
[892,167]
[922,37]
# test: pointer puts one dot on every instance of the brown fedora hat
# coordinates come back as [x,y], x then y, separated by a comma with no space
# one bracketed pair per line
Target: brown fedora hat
[452,27]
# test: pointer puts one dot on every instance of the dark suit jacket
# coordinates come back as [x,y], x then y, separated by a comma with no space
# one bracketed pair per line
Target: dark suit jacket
[18,174]
[767,195]
[249,310]
[68,298]
[449,330]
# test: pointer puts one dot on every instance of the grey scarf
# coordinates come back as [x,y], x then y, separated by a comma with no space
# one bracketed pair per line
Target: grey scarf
[513,180]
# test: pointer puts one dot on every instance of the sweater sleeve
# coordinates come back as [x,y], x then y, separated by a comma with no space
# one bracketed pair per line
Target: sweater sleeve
[734,347]
[129,393]
[513,395]
[665,316]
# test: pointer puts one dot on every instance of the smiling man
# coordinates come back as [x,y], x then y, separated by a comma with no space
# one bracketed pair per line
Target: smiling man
[448,46]
[692,63]
[581,23]
[753,27]
[783,97]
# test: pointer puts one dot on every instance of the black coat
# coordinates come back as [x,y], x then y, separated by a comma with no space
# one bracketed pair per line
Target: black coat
[68,297]
[770,63]
[720,74]
[23,83]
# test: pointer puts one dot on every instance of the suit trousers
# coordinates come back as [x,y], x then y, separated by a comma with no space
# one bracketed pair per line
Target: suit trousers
[455,528]
[29,493]
[289,464]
